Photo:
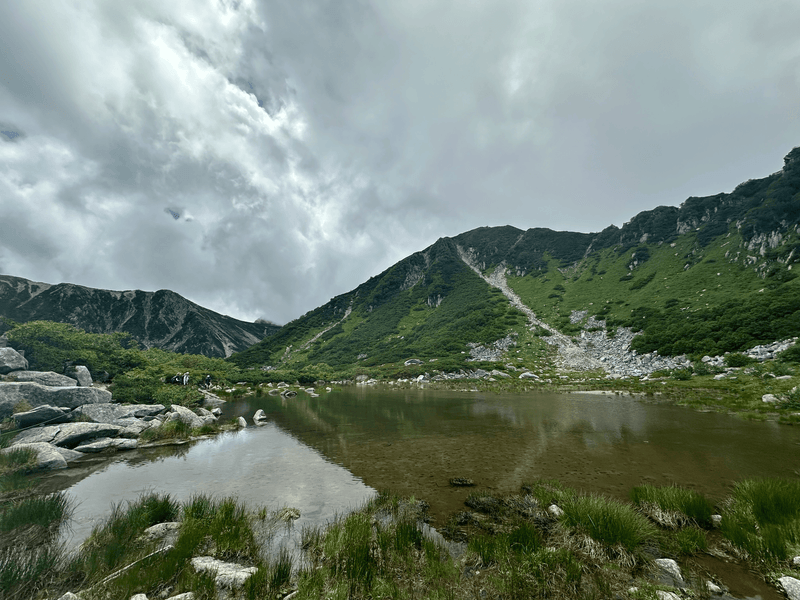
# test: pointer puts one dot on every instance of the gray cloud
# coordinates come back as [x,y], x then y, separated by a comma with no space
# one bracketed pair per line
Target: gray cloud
[307,145]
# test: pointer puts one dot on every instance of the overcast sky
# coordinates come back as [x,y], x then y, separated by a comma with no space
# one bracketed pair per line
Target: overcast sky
[262,156]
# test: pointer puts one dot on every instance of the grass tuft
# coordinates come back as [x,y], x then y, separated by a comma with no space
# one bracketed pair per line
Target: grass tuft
[607,521]
[672,506]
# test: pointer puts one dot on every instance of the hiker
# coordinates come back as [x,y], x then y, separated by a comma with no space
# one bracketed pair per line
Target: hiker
[208,382]
[186,378]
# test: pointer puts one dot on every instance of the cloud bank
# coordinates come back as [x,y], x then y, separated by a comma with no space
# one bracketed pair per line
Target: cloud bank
[306,146]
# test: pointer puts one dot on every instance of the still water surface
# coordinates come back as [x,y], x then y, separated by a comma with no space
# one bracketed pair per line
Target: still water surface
[324,455]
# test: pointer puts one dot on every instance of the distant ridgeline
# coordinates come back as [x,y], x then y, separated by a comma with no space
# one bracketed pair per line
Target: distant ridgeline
[161,319]
[713,275]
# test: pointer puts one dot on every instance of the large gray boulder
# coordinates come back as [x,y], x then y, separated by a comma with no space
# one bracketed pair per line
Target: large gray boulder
[181,413]
[82,374]
[48,458]
[48,378]
[11,360]
[34,394]
[68,435]
[42,414]
[101,444]
[108,412]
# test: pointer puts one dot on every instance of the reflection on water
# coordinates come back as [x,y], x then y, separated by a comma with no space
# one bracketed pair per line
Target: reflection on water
[414,441]
[261,466]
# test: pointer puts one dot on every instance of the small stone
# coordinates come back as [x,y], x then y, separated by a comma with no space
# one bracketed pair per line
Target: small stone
[555,511]
[796,561]
[662,595]
[69,596]
[713,588]
[184,596]
[241,422]
[259,416]
[139,597]
[226,575]
[716,520]
[769,398]
[672,572]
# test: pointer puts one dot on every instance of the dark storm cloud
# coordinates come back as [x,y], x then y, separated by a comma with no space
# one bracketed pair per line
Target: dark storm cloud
[307,145]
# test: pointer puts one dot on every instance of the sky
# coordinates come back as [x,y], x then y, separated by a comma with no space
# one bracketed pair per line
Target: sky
[260,157]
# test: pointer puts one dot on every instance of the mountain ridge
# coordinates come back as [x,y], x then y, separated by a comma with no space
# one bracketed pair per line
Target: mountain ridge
[161,319]
[656,266]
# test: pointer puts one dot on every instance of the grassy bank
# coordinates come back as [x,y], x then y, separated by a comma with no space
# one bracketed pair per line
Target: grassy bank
[547,541]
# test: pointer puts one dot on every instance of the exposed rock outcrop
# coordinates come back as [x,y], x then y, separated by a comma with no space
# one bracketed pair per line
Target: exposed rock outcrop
[34,394]
[42,414]
[47,457]
[11,360]
[48,378]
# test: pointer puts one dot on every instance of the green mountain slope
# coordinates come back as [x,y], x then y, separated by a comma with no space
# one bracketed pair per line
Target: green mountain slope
[710,276]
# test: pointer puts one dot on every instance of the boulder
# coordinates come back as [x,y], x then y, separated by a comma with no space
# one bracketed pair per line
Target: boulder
[528,375]
[139,597]
[216,411]
[662,595]
[44,378]
[791,586]
[555,511]
[108,412]
[241,422]
[11,360]
[101,444]
[47,457]
[69,455]
[770,398]
[82,374]
[227,575]
[68,435]
[12,394]
[413,361]
[259,416]
[181,413]
[162,530]
[183,596]
[42,414]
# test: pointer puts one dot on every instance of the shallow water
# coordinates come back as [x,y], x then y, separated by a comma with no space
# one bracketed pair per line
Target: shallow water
[261,466]
[414,441]
[327,454]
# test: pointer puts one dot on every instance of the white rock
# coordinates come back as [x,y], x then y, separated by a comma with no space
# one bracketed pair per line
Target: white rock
[184,596]
[796,561]
[791,586]
[11,360]
[555,511]
[671,568]
[241,422]
[226,575]
[528,375]
[160,530]
[662,595]
[69,596]
[139,597]
[771,398]
[259,416]
[716,520]
[217,411]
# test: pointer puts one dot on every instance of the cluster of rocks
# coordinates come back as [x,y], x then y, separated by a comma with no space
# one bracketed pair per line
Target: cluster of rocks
[759,353]
[494,351]
[68,418]
[615,354]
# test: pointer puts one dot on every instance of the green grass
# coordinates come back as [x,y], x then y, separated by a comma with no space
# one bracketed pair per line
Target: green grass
[763,518]
[673,506]
[608,521]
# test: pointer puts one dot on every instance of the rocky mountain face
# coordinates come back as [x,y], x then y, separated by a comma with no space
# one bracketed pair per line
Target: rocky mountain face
[710,276]
[161,319]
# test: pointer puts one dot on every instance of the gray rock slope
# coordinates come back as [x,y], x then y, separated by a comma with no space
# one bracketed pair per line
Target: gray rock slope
[161,319]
